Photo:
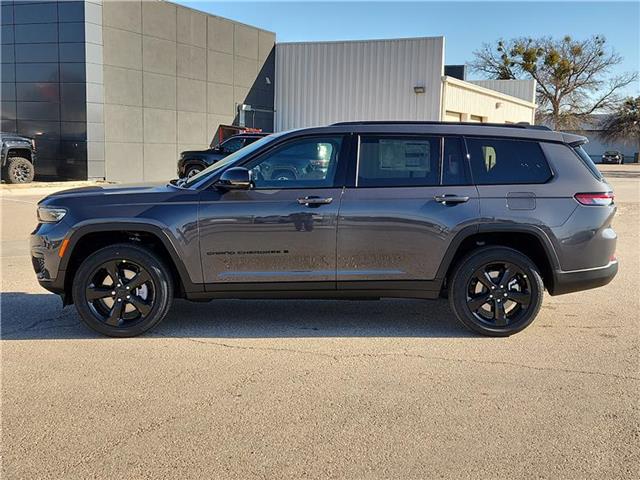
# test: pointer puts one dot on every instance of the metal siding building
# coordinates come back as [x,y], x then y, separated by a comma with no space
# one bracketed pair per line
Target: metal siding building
[325,82]
[468,102]
[523,89]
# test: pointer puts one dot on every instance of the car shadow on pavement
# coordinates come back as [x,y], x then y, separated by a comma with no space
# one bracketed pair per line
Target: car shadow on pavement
[27,316]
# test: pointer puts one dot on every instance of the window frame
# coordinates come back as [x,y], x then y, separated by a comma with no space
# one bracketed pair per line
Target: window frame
[354,171]
[440,139]
[341,162]
[513,139]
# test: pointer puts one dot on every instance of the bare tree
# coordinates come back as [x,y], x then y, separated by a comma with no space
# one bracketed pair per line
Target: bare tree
[573,76]
[624,123]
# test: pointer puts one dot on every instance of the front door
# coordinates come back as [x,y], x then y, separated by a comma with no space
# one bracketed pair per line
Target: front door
[412,195]
[284,229]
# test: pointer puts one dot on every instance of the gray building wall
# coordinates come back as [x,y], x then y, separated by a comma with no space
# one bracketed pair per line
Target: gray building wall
[524,89]
[325,82]
[171,76]
[597,146]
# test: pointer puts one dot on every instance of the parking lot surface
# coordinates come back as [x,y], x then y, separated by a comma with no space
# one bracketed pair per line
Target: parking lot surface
[322,389]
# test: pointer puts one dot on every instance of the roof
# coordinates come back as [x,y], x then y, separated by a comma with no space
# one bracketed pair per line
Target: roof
[523,131]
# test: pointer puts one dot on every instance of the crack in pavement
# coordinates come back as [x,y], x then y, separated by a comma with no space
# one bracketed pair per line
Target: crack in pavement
[337,357]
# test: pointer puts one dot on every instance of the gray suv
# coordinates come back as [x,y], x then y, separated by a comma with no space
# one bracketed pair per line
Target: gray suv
[488,215]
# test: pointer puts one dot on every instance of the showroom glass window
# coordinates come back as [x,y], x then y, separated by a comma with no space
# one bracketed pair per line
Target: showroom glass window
[391,161]
[502,161]
[304,163]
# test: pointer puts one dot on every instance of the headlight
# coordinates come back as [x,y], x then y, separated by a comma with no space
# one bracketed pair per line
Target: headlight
[51,214]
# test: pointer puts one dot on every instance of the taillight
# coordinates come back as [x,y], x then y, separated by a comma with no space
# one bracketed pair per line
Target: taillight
[598,199]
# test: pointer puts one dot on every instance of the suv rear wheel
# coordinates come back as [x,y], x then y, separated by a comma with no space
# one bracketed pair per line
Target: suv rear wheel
[20,170]
[496,291]
[122,290]
[193,170]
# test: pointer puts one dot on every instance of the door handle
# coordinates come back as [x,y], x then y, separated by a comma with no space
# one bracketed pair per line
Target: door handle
[312,201]
[450,199]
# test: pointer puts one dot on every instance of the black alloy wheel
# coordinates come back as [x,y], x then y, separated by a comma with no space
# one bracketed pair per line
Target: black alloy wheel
[122,290]
[499,294]
[121,293]
[496,291]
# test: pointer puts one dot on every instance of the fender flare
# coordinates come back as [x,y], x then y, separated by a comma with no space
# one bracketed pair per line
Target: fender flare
[470,230]
[114,225]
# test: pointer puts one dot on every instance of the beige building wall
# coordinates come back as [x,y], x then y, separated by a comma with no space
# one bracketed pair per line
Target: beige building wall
[171,76]
[467,102]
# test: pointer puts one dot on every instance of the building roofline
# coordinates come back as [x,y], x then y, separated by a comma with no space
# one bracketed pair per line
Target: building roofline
[373,40]
[216,16]
[487,91]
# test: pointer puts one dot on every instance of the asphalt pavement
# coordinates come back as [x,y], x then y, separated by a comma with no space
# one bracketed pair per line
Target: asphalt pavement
[321,389]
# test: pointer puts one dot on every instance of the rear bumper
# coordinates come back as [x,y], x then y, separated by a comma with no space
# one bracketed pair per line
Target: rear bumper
[577,280]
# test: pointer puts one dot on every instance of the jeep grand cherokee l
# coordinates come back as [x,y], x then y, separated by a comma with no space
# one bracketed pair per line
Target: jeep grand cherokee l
[488,215]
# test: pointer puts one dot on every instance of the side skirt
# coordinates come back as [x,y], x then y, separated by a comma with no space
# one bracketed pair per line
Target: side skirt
[351,290]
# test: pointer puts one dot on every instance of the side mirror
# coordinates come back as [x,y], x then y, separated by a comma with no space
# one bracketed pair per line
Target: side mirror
[236,178]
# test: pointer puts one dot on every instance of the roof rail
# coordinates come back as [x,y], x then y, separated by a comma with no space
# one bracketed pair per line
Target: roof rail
[474,124]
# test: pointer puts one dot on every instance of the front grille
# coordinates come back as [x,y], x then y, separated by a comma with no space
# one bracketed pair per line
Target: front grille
[39,267]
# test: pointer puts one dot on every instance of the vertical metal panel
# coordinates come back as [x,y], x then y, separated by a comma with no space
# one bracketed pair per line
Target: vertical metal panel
[524,89]
[326,82]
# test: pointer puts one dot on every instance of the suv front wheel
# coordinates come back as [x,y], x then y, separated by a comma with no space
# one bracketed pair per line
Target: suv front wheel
[122,290]
[496,291]
[20,170]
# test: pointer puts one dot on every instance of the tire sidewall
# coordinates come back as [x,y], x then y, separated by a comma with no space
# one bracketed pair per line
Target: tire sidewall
[191,168]
[160,277]
[462,275]
[9,170]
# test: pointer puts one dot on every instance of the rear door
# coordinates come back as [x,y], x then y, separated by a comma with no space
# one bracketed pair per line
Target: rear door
[411,194]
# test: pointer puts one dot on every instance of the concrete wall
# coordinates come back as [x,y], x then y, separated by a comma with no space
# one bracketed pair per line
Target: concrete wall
[171,76]
[471,101]
[324,82]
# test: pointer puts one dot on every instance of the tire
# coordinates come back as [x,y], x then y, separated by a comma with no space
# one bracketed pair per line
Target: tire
[19,170]
[122,309]
[193,170]
[486,305]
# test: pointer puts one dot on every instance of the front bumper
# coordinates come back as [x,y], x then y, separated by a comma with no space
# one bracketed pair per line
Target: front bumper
[46,241]
[578,280]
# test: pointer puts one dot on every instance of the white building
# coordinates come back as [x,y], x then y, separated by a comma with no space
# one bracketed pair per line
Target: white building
[319,83]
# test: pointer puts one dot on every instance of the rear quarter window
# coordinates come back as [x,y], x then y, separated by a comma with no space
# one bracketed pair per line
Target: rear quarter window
[588,162]
[502,161]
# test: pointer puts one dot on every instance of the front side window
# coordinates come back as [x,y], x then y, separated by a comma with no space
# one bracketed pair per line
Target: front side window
[498,161]
[304,163]
[398,161]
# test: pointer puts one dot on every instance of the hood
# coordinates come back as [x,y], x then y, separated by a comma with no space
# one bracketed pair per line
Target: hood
[113,189]
[14,136]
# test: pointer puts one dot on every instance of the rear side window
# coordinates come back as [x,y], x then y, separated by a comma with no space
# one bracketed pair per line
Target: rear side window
[500,161]
[454,166]
[398,161]
[586,159]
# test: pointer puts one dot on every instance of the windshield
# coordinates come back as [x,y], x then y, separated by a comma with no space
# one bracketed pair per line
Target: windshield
[231,159]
